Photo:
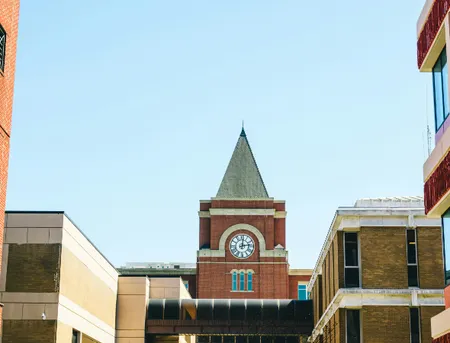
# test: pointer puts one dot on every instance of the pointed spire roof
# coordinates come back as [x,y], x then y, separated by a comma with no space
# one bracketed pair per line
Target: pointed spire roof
[242,178]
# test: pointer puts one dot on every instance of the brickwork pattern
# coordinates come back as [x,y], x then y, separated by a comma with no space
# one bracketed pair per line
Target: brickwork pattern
[383,258]
[33,268]
[270,278]
[27,331]
[429,253]
[293,284]
[387,324]
[9,19]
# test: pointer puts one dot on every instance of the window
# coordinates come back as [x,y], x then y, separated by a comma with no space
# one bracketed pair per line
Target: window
[353,328]
[250,281]
[242,281]
[446,240]
[75,336]
[351,263]
[186,284]
[411,251]
[234,281]
[2,49]
[414,324]
[302,293]
[440,89]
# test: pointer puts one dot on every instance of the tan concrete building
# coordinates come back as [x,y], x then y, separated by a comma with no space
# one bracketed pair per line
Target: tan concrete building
[379,275]
[55,286]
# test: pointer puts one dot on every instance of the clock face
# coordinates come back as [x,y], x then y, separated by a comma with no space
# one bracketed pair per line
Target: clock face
[242,246]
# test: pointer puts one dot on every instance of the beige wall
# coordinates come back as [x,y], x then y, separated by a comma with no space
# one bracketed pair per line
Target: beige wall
[86,293]
[133,294]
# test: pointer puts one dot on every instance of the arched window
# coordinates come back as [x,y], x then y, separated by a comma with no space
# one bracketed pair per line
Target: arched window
[249,281]
[234,281]
[242,281]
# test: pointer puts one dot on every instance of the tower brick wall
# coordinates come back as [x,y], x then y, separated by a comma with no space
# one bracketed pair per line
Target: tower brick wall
[9,18]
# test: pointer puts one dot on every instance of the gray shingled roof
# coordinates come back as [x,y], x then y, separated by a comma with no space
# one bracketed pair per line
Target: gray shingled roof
[242,178]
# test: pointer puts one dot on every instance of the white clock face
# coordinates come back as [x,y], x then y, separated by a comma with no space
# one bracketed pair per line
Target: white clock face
[242,246]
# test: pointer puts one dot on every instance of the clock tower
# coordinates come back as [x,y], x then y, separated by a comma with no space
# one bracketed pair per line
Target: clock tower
[242,241]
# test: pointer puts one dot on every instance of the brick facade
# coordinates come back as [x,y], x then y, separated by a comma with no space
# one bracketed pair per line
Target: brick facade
[33,268]
[21,331]
[383,247]
[9,17]
[271,274]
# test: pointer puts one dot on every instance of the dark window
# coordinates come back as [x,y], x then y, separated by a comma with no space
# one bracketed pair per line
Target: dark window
[172,309]
[440,89]
[351,274]
[75,336]
[446,240]
[353,326]
[414,321]
[411,251]
[216,339]
[2,49]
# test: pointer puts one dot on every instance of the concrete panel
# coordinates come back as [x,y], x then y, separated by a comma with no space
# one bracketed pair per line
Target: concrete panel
[13,297]
[16,235]
[164,282]
[157,293]
[132,312]
[132,285]
[33,311]
[12,311]
[130,334]
[51,311]
[38,235]
[172,293]
[56,235]
[35,220]
[4,270]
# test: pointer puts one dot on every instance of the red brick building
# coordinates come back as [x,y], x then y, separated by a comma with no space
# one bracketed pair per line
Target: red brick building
[242,239]
[9,17]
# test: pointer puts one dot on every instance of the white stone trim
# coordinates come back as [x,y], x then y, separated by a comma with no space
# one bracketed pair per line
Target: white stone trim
[358,297]
[241,212]
[353,218]
[280,214]
[210,253]
[75,316]
[204,214]
[80,246]
[228,232]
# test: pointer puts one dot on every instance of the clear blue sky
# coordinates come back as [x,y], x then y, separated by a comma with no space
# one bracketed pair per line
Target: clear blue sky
[127,112]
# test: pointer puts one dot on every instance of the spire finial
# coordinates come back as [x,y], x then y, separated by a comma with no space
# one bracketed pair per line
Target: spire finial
[243,131]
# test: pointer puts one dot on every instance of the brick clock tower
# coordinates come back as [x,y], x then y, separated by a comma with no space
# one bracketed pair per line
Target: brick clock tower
[242,247]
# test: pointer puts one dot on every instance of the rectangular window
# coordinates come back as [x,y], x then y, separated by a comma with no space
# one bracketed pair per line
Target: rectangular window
[353,327]
[234,281]
[411,252]
[2,49]
[250,281]
[351,263]
[414,324]
[186,284]
[242,282]
[446,241]
[302,293]
[75,336]
[440,89]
